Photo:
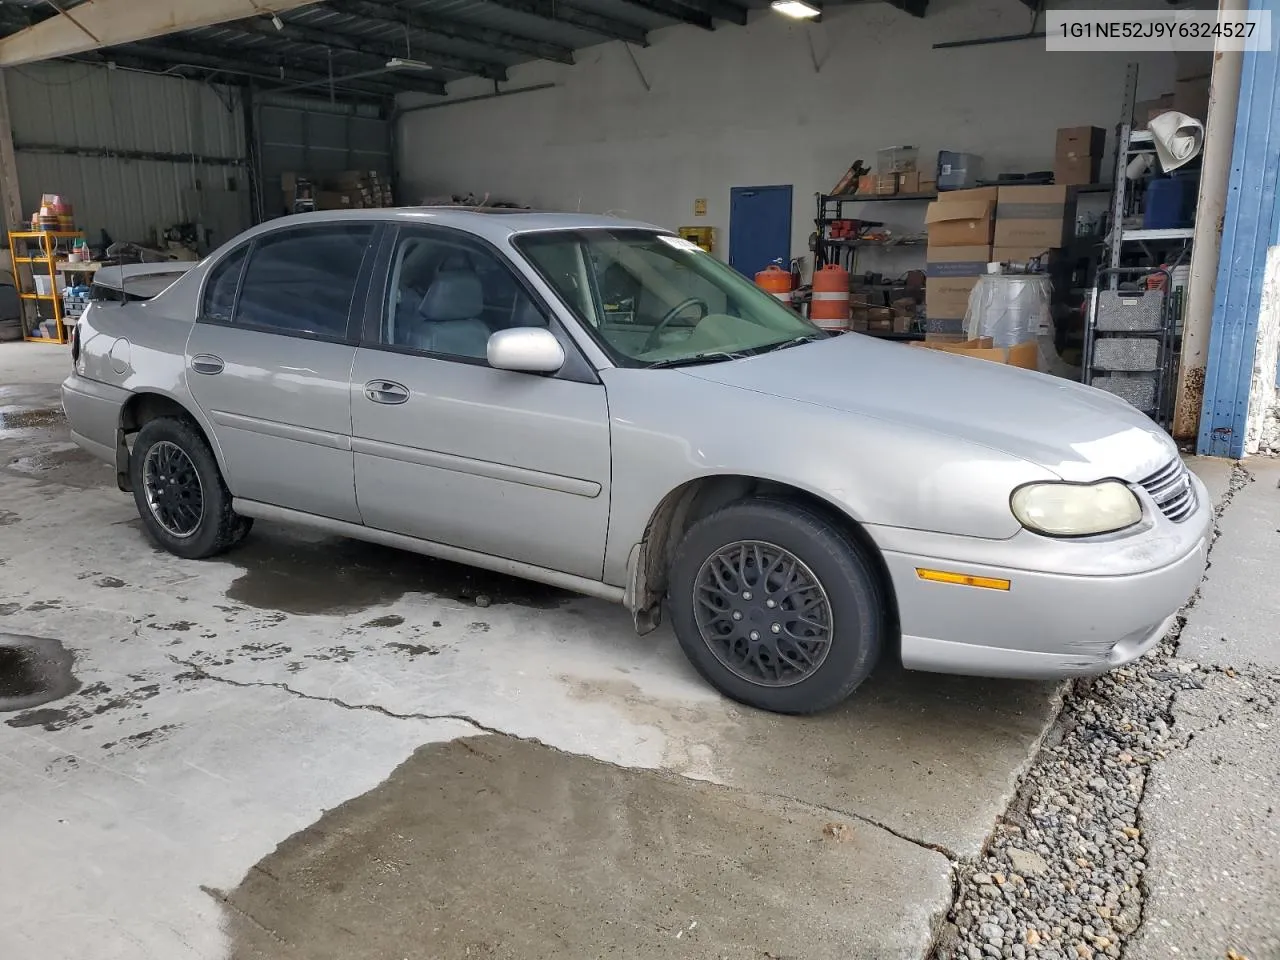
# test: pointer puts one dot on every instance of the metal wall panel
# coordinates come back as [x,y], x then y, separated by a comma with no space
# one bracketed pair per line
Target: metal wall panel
[317,138]
[1250,227]
[71,105]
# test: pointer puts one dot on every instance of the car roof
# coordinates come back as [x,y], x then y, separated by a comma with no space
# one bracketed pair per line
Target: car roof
[493,223]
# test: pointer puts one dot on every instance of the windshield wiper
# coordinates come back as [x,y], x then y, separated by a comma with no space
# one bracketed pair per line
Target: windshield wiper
[807,338]
[709,356]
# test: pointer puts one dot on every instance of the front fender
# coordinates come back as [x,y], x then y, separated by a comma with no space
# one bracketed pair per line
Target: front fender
[668,429]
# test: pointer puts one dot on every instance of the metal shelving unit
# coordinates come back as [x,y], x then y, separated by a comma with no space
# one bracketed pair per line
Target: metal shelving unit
[25,260]
[832,249]
[831,208]
[1132,333]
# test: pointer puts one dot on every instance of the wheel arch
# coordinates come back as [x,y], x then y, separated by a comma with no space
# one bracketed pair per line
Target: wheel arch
[702,496]
[147,405]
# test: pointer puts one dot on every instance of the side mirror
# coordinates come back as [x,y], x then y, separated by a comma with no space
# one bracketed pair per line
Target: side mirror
[525,350]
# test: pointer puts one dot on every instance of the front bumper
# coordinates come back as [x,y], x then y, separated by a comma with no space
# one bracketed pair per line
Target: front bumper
[1047,624]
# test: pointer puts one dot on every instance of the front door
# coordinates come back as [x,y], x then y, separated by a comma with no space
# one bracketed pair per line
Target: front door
[451,450]
[759,228]
[269,363]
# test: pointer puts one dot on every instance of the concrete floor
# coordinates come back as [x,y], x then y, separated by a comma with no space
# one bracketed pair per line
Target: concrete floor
[315,748]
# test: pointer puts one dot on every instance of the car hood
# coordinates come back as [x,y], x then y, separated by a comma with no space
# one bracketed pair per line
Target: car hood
[1078,432]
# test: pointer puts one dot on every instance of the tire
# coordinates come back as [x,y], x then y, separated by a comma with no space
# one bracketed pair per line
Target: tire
[847,584]
[214,526]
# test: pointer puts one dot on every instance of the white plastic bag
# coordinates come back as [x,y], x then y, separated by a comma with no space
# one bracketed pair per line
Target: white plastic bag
[1010,309]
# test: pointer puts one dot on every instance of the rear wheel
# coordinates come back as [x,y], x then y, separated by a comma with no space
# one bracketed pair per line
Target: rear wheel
[179,491]
[775,607]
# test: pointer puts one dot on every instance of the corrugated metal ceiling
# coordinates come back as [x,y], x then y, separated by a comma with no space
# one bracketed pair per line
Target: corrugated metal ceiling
[348,42]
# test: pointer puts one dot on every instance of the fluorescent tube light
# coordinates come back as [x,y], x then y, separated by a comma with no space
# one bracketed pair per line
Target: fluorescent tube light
[796,9]
[399,63]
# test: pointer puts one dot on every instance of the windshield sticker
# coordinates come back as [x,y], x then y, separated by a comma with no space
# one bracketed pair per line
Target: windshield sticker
[680,243]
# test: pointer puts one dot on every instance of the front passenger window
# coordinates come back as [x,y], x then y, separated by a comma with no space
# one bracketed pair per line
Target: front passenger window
[448,298]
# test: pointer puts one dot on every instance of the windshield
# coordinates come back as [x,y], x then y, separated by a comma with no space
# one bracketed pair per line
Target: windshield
[653,298]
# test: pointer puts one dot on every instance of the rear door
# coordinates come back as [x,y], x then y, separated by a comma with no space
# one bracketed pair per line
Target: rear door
[449,449]
[269,362]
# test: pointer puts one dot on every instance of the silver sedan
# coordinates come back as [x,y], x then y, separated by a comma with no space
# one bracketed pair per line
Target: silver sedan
[599,405]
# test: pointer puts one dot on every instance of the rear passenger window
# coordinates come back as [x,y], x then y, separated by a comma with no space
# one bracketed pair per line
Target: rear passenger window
[303,281]
[220,289]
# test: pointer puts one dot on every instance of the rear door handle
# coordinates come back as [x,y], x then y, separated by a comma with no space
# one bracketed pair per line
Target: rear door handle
[207,364]
[386,391]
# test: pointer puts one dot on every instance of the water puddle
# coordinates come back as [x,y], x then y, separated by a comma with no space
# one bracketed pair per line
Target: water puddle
[332,575]
[69,465]
[33,671]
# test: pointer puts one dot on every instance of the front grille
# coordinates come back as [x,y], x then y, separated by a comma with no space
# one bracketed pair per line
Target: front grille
[1172,490]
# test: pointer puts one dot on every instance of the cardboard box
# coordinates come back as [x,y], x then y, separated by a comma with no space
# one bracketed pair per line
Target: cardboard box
[845,184]
[1144,111]
[950,262]
[1192,98]
[332,200]
[1077,172]
[1077,154]
[947,298]
[1034,217]
[1023,255]
[962,218]
[1025,355]
[944,331]
[909,182]
[1073,142]
[886,184]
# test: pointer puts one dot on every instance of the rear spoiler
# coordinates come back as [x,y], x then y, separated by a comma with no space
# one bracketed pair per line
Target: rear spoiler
[137,281]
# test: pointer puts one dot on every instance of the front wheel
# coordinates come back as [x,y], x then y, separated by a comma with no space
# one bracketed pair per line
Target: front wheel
[181,496]
[775,607]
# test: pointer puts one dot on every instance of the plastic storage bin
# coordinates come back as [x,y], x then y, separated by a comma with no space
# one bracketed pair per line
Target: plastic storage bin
[897,160]
[958,171]
[1170,203]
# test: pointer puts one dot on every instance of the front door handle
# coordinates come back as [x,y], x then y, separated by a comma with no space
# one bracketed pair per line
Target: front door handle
[207,364]
[386,391]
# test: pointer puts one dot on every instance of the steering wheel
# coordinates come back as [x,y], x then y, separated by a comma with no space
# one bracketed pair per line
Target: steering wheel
[652,340]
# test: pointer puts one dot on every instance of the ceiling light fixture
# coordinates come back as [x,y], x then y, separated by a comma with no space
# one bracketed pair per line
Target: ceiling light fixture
[796,9]
[399,63]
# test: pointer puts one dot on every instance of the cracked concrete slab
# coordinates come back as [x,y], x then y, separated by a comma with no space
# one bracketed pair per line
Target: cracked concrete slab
[1211,820]
[224,705]
[493,847]
[1235,617]
[1209,814]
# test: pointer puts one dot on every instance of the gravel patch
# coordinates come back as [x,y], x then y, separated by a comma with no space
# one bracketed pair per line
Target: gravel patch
[1063,875]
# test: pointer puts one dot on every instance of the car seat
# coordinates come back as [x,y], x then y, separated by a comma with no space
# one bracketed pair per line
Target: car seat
[449,316]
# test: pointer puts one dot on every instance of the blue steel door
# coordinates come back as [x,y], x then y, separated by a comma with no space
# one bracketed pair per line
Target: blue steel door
[759,227]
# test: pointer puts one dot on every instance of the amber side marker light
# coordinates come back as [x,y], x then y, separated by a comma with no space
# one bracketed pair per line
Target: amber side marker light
[961,579]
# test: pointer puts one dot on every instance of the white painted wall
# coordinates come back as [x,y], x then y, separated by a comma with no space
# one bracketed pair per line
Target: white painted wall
[745,106]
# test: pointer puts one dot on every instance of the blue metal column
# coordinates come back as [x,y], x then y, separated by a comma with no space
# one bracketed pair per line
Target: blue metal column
[1249,227]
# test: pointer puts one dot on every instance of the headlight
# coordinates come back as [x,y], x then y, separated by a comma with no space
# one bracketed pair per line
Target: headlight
[1075,509]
